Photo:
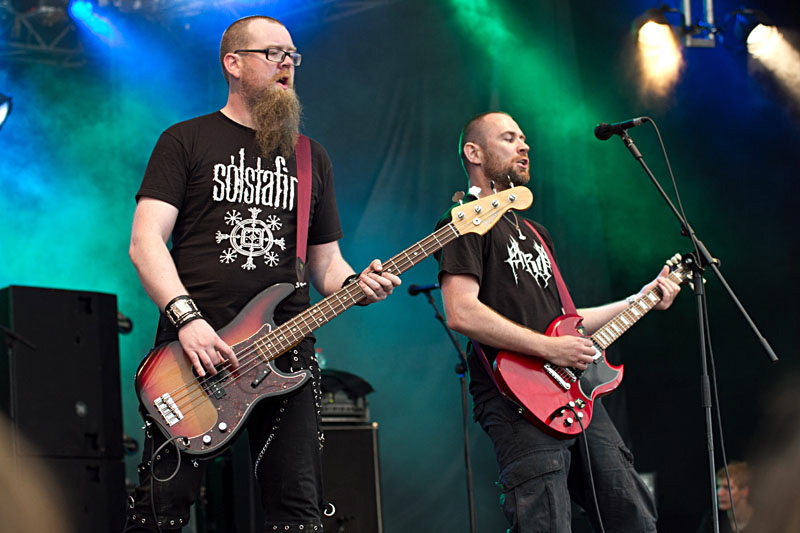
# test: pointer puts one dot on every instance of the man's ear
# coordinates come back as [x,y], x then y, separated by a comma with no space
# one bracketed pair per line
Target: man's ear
[473,153]
[233,65]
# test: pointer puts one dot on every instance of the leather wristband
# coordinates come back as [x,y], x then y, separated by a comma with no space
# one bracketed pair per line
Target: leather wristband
[181,310]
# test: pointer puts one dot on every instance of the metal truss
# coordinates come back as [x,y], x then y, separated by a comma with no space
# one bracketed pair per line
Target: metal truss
[41,33]
[181,9]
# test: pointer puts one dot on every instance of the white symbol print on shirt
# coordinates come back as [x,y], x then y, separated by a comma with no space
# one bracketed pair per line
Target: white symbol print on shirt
[539,268]
[251,237]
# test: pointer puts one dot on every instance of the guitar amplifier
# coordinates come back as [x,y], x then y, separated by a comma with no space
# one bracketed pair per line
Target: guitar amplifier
[344,397]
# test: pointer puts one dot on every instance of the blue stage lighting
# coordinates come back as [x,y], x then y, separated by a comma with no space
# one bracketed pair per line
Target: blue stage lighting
[5,108]
[83,11]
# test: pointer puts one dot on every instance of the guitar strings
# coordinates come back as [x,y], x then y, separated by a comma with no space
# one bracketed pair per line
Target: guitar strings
[249,358]
[199,389]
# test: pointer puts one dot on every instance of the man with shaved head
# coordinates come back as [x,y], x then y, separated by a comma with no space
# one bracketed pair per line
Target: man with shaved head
[228,190]
[499,290]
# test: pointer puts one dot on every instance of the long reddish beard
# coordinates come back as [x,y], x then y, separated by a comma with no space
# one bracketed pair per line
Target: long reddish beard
[276,115]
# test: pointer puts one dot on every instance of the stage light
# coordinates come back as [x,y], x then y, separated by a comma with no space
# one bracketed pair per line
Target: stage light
[751,30]
[83,11]
[693,33]
[659,56]
[652,27]
[5,108]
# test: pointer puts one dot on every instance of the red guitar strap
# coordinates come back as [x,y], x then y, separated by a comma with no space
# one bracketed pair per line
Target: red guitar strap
[566,300]
[302,152]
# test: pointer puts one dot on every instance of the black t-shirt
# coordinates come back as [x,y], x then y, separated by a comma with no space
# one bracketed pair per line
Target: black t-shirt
[515,277]
[235,234]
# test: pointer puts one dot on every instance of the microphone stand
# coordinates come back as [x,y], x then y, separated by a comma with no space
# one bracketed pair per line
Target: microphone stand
[704,260]
[461,370]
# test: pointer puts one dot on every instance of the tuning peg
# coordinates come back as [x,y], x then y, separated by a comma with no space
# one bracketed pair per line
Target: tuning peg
[674,260]
[459,197]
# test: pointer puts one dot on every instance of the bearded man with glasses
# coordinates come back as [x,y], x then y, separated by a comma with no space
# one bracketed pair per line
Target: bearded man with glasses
[227,189]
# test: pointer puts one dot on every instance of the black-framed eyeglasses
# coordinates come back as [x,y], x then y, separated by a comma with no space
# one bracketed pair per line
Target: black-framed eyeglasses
[276,55]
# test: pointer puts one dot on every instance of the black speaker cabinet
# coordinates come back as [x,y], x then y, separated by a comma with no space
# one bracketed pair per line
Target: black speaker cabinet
[352,478]
[350,467]
[59,372]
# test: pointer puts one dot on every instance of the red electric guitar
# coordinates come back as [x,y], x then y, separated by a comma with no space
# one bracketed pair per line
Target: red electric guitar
[203,414]
[560,399]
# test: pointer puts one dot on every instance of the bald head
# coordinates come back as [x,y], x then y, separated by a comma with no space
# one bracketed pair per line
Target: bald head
[475,131]
[493,149]
[238,36]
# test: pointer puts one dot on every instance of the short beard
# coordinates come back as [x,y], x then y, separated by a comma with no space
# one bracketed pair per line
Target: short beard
[276,116]
[509,174]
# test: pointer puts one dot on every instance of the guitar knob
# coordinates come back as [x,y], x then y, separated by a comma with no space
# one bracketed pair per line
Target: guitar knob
[568,421]
[580,415]
[222,427]
[206,439]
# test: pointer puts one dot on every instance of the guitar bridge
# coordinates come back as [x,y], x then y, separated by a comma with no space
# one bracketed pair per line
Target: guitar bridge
[168,409]
[561,375]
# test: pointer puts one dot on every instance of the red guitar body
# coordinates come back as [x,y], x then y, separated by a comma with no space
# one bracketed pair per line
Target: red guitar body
[558,400]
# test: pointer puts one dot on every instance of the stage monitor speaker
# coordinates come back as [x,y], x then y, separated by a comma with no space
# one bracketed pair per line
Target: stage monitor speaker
[351,466]
[59,372]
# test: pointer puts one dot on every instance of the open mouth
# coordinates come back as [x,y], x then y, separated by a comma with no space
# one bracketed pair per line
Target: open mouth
[523,163]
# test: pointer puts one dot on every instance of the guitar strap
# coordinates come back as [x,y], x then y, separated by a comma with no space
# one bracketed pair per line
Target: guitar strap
[302,152]
[567,305]
[566,300]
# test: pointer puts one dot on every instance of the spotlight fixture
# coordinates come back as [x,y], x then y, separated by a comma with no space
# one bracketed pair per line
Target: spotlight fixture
[750,30]
[658,55]
[5,108]
[652,28]
[694,33]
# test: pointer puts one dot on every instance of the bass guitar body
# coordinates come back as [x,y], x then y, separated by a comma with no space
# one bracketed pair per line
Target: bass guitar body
[205,413]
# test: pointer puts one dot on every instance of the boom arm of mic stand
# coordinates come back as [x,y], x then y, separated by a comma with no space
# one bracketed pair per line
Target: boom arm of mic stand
[704,255]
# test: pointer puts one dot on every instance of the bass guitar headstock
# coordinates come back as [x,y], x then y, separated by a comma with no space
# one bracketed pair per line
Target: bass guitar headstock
[480,215]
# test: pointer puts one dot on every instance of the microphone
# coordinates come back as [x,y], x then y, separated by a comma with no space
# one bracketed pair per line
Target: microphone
[416,289]
[604,131]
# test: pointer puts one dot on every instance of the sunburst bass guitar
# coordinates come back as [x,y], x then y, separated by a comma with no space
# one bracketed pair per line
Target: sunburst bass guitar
[204,414]
[560,400]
